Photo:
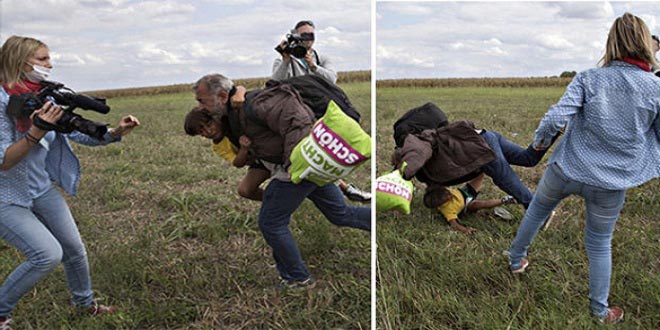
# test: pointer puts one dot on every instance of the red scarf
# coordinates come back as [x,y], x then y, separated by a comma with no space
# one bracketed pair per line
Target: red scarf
[23,124]
[641,64]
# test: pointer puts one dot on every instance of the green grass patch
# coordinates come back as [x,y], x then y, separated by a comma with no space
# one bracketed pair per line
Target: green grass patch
[431,277]
[173,246]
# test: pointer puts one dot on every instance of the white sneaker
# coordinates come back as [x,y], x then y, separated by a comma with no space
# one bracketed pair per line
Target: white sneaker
[296,284]
[520,269]
[5,323]
[502,213]
[357,195]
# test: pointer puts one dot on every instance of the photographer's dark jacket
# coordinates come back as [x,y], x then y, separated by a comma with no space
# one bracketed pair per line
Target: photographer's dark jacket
[62,164]
[445,154]
[298,67]
[282,120]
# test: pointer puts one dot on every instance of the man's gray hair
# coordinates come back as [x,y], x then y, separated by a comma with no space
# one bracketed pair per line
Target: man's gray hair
[215,82]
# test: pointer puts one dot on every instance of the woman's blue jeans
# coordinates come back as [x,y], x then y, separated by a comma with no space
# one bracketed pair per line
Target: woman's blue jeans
[603,209]
[47,235]
[281,199]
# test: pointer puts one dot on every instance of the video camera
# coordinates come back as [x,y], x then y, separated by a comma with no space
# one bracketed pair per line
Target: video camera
[23,105]
[294,44]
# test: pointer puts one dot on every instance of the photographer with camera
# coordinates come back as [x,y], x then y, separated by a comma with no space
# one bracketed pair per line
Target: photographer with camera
[34,217]
[299,58]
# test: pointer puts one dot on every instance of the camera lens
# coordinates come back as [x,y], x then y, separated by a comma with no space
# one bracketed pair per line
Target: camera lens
[299,51]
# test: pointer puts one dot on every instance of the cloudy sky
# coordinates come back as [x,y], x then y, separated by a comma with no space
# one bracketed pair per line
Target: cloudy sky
[107,44]
[503,39]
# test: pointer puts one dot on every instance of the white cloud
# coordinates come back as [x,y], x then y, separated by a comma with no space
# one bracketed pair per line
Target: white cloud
[67,59]
[382,52]
[150,53]
[197,50]
[335,42]
[75,60]
[651,21]
[493,41]
[499,39]
[94,59]
[328,30]
[585,10]
[496,51]
[403,56]
[422,62]
[103,3]
[138,42]
[146,13]
[457,45]
[413,9]
[231,2]
[554,42]
[246,59]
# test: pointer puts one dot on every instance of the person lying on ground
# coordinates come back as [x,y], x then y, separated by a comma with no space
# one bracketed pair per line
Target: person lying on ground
[459,152]
[455,202]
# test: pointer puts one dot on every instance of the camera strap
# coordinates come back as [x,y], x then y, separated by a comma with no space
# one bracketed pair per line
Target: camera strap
[318,61]
[293,67]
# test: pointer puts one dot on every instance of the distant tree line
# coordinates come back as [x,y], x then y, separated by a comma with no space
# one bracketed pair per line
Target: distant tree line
[568,74]
[249,83]
[476,82]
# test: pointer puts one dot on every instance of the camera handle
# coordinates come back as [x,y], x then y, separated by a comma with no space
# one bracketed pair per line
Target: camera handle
[46,126]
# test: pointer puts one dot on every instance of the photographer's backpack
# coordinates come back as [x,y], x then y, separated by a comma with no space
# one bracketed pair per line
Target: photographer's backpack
[418,119]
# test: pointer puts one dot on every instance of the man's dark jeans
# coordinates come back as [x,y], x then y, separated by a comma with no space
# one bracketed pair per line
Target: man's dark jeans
[509,153]
[281,199]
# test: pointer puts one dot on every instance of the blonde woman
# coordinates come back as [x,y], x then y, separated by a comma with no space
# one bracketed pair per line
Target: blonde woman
[610,145]
[34,217]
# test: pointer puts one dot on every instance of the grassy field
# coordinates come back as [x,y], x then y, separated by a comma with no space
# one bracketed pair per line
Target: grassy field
[172,245]
[431,277]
